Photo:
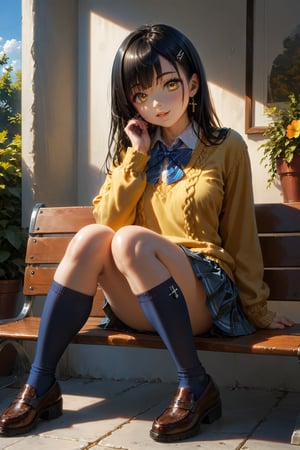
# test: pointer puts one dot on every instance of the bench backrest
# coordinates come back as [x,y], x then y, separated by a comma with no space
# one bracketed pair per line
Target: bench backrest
[51,229]
[279,232]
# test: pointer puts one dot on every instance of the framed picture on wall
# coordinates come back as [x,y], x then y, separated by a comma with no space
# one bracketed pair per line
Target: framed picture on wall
[272,57]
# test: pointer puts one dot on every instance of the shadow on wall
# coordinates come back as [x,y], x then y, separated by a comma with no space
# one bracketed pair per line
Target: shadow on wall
[210,25]
[33,196]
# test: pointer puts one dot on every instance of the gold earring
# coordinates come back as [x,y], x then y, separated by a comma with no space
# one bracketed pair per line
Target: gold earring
[193,104]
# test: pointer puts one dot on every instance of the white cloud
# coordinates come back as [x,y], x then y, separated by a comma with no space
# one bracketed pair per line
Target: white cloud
[12,48]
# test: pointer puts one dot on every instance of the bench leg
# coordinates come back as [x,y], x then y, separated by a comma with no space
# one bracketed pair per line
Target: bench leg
[22,363]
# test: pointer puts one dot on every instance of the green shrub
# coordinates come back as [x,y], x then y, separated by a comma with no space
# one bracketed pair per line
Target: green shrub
[12,236]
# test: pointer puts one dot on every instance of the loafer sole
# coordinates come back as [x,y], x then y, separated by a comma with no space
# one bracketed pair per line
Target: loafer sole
[50,412]
[210,416]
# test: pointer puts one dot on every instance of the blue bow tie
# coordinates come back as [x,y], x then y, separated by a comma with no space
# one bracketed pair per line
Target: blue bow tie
[178,157]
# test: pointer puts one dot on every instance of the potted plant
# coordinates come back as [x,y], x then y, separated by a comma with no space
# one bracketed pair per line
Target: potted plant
[282,149]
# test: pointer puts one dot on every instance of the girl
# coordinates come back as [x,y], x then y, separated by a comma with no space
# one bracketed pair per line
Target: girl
[175,245]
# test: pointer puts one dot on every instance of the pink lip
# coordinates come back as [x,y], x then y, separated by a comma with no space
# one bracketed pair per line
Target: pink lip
[162,115]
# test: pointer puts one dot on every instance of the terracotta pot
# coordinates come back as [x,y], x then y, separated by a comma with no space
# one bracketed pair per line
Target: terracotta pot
[9,290]
[290,179]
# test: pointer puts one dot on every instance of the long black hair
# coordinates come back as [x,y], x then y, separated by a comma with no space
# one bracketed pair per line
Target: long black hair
[136,62]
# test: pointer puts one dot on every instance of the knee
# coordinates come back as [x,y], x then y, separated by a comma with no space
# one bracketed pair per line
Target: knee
[90,242]
[129,247]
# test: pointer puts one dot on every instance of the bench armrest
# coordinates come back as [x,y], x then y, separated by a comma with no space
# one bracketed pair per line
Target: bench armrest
[23,313]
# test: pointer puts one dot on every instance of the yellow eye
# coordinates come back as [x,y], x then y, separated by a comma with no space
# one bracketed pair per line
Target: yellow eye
[173,85]
[140,97]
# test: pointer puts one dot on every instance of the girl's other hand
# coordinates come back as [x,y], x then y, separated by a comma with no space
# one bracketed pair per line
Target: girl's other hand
[137,131]
[280,322]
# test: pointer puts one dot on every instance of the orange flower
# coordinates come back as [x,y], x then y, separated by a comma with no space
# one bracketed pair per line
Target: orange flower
[293,129]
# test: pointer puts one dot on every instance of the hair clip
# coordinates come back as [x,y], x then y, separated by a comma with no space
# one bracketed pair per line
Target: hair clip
[180,55]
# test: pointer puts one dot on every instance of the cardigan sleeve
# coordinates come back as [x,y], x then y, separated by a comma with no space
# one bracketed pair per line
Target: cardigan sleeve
[115,205]
[240,239]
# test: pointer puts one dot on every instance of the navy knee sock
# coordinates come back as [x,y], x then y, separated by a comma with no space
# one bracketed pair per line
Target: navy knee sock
[165,308]
[64,313]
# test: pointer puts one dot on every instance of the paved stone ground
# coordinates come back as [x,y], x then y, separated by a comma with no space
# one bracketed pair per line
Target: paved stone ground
[111,415]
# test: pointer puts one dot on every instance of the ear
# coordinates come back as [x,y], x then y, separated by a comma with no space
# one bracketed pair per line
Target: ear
[193,85]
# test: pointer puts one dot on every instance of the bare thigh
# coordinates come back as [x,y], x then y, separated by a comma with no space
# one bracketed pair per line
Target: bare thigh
[141,260]
[88,262]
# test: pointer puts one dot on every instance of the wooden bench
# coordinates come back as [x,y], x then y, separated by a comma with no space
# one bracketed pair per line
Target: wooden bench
[52,228]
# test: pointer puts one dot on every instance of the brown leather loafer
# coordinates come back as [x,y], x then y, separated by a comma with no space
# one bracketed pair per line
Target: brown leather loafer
[24,412]
[184,415]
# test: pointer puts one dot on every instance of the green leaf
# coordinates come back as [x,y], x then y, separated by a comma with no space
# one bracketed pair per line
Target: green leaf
[13,235]
[4,255]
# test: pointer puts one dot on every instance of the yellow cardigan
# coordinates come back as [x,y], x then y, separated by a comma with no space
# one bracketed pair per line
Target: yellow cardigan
[209,210]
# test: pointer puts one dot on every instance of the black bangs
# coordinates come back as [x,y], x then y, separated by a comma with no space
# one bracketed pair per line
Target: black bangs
[140,63]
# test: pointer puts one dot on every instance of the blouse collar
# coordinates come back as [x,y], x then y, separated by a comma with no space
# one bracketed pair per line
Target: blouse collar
[188,137]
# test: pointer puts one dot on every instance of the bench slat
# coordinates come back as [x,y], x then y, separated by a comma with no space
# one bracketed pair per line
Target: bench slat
[284,284]
[285,342]
[281,251]
[274,218]
[37,280]
[62,219]
[278,217]
[45,249]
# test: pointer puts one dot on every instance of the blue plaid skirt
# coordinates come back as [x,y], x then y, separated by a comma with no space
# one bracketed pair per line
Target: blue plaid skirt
[222,297]
[222,300]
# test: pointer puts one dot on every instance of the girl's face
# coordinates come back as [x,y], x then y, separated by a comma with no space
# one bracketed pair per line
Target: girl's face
[165,103]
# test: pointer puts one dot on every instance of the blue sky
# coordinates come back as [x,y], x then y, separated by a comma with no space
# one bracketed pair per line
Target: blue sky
[10,31]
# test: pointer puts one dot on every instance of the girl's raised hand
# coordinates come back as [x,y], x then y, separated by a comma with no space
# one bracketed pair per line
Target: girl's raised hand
[137,131]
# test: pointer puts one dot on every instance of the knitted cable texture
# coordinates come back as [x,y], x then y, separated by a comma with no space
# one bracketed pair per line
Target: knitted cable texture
[189,206]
